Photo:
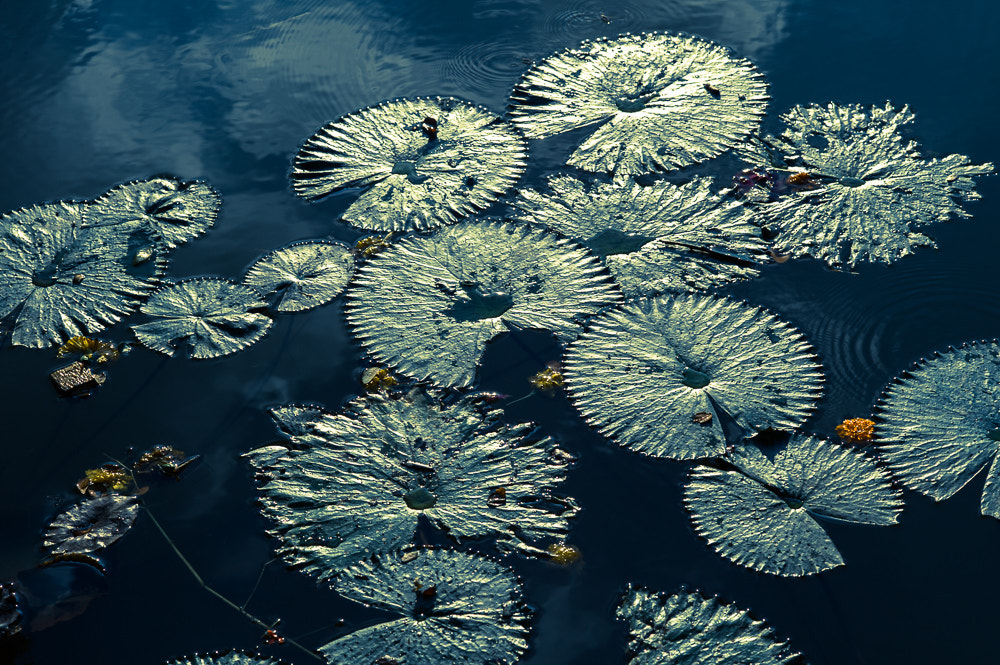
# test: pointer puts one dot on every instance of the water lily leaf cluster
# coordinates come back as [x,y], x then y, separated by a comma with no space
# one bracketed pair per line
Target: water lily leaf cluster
[653,239]
[456,608]
[303,275]
[872,187]
[764,509]
[686,628]
[655,101]
[208,317]
[657,374]
[360,481]
[427,306]
[939,424]
[423,162]
[91,525]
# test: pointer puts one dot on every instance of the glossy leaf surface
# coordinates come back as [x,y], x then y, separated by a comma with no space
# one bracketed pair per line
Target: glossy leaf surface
[303,275]
[91,525]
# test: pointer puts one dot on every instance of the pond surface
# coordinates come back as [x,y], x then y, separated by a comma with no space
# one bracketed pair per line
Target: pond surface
[98,92]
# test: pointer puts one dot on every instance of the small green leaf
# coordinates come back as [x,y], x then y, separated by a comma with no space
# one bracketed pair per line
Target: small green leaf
[456,608]
[939,423]
[766,511]
[303,275]
[642,373]
[686,628]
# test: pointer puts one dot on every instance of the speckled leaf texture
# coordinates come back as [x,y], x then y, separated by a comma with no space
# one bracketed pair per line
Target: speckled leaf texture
[303,275]
[228,658]
[765,511]
[418,176]
[456,608]
[428,306]
[875,187]
[176,211]
[656,101]
[686,628]
[358,482]
[653,239]
[58,280]
[643,371]
[939,424]
[207,317]
[91,525]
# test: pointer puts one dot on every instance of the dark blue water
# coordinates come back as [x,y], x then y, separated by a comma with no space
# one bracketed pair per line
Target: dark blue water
[93,93]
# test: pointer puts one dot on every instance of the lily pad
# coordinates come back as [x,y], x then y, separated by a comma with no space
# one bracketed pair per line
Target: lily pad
[939,424]
[210,317]
[303,275]
[91,525]
[686,628]
[766,511]
[225,658]
[653,239]
[176,211]
[359,482]
[648,372]
[58,280]
[656,101]
[428,306]
[873,186]
[456,608]
[425,162]
[11,618]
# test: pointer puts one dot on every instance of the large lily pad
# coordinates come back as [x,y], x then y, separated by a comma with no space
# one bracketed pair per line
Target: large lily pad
[940,423]
[58,280]
[209,317]
[359,482]
[653,239]
[457,608]
[686,628]
[303,275]
[658,374]
[91,525]
[176,211]
[428,306]
[870,188]
[766,511]
[657,101]
[425,162]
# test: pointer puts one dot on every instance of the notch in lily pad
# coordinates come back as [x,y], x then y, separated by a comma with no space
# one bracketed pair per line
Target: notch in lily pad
[303,275]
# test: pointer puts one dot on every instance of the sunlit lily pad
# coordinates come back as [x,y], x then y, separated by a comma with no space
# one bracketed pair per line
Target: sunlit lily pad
[358,482]
[303,275]
[656,374]
[940,423]
[425,162]
[91,525]
[686,628]
[456,608]
[225,658]
[208,317]
[428,306]
[874,187]
[766,511]
[58,280]
[656,101]
[177,211]
[653,239]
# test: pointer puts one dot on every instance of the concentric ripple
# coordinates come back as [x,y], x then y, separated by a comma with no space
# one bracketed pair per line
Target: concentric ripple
[486,71]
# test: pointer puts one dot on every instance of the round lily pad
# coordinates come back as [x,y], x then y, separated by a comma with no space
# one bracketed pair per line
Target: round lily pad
[653,239]
[359,482]
[766,511]
[303,275]
[209,317]
[657,374]
[91,525]
[424,162]
[427,306]
[455,607]
[58,280]
[686,627]
[177,211]
[655,101]
[939,424]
